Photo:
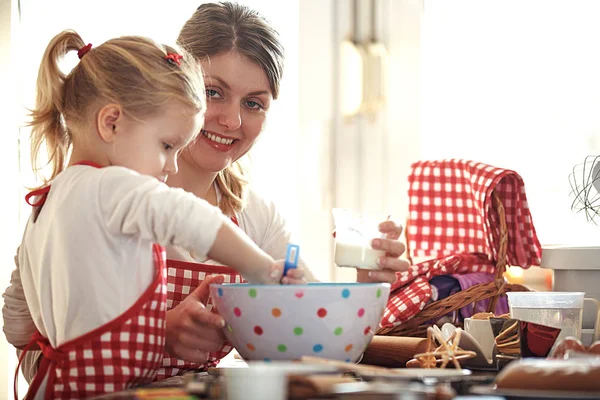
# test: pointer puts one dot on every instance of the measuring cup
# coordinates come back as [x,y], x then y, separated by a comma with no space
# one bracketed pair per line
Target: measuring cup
[353,236]
[562,310]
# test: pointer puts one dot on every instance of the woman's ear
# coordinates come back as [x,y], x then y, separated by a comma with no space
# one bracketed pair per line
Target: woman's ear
[109,118]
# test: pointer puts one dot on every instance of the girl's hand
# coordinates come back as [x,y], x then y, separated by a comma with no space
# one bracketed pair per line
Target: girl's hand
[192,330]
[294,276]
[390,263]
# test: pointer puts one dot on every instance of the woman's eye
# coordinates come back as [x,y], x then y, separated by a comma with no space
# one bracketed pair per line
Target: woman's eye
[212,93]
[254,105]
[167,146]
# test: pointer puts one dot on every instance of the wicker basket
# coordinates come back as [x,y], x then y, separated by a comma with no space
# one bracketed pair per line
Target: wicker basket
[417,326]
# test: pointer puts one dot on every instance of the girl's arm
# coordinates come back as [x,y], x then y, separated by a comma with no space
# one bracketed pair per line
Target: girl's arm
[138,205]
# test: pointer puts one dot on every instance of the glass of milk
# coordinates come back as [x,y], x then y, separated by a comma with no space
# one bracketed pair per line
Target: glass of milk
[353,236]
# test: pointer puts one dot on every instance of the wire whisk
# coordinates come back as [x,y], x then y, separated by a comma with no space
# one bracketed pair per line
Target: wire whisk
[585,186]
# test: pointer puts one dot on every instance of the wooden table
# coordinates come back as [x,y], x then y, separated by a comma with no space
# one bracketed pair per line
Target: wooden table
[462,388]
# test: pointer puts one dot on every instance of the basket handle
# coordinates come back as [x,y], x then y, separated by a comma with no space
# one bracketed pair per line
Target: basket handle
[502,250]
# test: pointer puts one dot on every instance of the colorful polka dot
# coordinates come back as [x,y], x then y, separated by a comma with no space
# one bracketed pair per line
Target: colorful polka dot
[367,330]
[338,331]
[251,347]
[322,312]
[252,293]
[276,312]
[220,292]
[378,293]
[317,348]
[229,328]
[298,331]
[258,330]
[361,312]
[237,312]
[346,293]
[348,348]
[299,294]
[268,360]
[348,360]
[282,348]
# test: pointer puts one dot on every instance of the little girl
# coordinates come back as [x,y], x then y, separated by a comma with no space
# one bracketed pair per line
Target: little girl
[91,261]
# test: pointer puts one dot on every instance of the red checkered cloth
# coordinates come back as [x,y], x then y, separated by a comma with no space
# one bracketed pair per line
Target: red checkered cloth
[451,221]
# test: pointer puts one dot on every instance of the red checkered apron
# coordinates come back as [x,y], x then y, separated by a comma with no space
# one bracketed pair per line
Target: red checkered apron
[182,279]
[120,354]
[450,221]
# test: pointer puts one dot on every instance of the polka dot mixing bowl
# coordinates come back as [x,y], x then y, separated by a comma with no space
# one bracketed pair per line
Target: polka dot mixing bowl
[286,322]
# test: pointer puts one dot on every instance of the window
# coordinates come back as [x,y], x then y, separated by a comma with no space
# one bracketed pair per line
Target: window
[516,84]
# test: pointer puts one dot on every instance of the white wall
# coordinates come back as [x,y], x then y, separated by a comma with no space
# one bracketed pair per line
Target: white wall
[516,84]
[314,142]
[404,106]
[372,153]
[9,164]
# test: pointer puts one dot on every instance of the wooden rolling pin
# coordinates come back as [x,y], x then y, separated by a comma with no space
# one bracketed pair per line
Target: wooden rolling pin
[393,351]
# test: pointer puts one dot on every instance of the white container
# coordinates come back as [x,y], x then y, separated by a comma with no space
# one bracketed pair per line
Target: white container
[353,236]
[576,269]
[555,309]
[256,383]
[357,255]
[267,380]
[481,330]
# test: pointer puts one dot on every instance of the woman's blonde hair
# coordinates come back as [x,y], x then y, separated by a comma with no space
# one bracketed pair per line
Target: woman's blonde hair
[221,27]
[131,71]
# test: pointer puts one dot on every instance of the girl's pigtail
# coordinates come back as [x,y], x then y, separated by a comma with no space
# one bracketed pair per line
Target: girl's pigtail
[48,128]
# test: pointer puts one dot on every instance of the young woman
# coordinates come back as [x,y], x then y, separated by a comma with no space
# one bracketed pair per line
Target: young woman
[242,59]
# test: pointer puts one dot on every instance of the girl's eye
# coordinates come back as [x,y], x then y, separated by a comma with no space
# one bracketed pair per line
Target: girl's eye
[212,93]
[167,146]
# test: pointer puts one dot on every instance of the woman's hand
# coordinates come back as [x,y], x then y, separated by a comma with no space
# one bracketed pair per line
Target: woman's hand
[192,330]
[390,263]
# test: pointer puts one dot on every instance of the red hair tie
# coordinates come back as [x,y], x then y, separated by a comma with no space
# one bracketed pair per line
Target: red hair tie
[83,51]
[173,58]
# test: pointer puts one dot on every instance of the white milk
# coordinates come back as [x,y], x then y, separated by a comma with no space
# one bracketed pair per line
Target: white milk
[355,255]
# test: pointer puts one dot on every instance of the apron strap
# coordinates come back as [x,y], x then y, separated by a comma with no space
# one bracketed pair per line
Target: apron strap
[42,193]
[50,355]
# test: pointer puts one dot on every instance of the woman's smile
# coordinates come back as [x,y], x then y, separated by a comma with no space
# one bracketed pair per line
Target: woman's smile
[218,142]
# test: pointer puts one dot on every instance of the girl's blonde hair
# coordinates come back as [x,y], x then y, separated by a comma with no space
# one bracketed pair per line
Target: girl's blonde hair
[221,27]
[131,71]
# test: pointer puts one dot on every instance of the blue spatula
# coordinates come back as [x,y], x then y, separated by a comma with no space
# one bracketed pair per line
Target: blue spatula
[291,258]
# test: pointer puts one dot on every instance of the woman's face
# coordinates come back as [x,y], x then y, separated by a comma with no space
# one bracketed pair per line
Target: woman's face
[238,96]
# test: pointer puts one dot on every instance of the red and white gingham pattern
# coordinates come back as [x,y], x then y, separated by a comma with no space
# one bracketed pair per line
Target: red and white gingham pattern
[450,211]
[451,221]
[182,279]
[124,353]
[411,292]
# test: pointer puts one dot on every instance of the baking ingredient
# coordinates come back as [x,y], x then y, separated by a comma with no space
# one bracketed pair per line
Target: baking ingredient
[356,255]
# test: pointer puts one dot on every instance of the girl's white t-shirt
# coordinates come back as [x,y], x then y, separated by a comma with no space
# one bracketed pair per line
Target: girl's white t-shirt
[87,258]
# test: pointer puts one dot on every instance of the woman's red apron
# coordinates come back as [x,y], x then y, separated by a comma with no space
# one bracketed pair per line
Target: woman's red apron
[120,354]
[182,279]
